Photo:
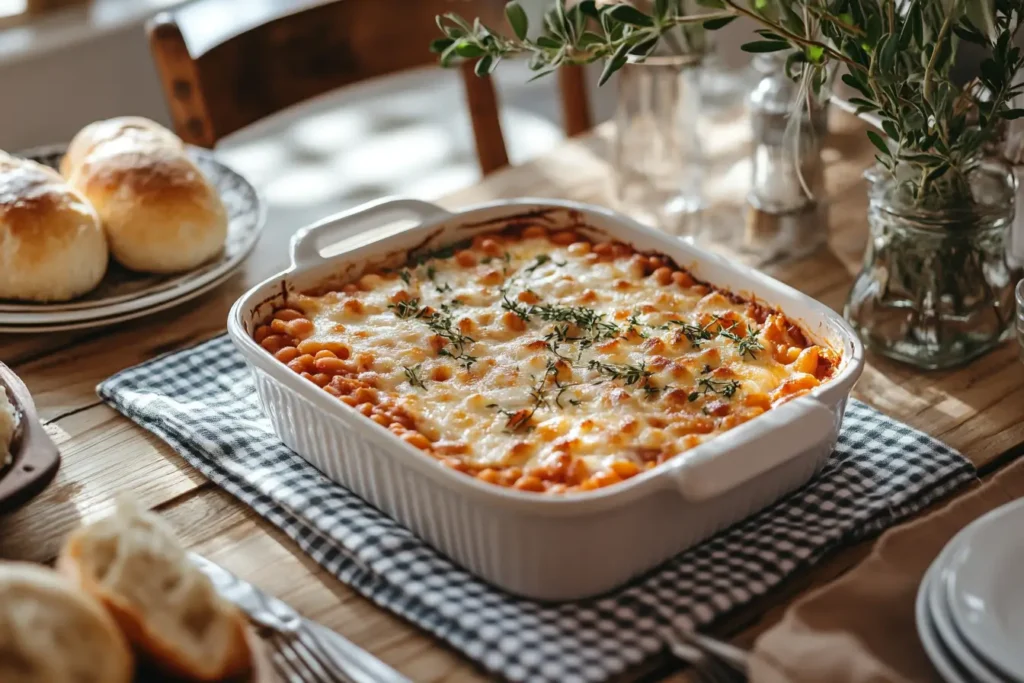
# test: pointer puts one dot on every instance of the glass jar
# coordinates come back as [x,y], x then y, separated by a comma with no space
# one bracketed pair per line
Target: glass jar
[936,286]
[656,153]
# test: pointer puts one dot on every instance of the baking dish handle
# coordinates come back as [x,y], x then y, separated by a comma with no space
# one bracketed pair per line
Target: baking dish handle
[755,447]
[307,242]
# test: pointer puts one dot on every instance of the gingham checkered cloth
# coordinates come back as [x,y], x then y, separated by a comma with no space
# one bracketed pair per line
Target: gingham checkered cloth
[203,403]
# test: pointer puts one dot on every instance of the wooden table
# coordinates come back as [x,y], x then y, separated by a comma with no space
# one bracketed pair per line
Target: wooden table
[976,409]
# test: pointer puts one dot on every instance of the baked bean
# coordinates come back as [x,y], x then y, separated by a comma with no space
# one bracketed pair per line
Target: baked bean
[465,258]
[261,333]
[625,469]
[349,401]
[491,246]
[399,296]
[577,472]
[564,238]
[304,363]
[366,394]
[370,281]
[311,347]
[300,328]
[324,353]
[332,391]
[353,307]
[579,248]
[653,262]
[488,475]
[278,326]
[528,297]
[331,365]
[510,476]
[365,408]
[529,483]
[663,275]
[682,279]
[382,420]
[534,231]
[557,488]
[275,342]
[350,288]
[442,373]
[416,440]
[513,322]
[287,354]
[603,249]
[306,375]
[286,314]
[620,250]
[321,379]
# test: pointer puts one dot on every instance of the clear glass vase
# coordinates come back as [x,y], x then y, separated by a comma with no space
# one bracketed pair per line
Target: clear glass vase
[656,151]
[936,288]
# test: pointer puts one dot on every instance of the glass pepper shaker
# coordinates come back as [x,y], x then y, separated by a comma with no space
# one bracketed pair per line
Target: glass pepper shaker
[784,220]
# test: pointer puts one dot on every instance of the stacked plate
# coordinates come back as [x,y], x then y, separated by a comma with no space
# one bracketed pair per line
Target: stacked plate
[970,607]
[124,295]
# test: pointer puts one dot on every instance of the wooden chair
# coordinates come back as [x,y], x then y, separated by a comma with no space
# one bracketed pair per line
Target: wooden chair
[225,64]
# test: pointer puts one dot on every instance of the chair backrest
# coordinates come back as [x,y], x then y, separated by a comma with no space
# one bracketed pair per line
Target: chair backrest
[225,64]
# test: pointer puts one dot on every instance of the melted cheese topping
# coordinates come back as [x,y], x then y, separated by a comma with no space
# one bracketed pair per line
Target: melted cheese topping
[556,366]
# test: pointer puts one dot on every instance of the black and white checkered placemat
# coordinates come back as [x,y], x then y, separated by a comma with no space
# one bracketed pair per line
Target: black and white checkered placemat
[202,401]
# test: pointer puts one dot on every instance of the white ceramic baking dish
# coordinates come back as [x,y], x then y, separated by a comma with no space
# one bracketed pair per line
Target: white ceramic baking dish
[544,547]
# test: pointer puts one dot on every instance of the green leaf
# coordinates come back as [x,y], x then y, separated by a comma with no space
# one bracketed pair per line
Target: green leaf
[661,8]
[441,44]
[815,53]
[468,50]
[792,60]
[715,24]
[549,42]
[630,15]
[877,141]
[485,66]
[936,173]
[765,46]
[589,39]
[517,19]
[1012,113]
[854,83]
[890,129]
[617,61]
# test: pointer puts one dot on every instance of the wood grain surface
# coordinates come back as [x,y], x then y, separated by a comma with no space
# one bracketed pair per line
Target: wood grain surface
[976,409]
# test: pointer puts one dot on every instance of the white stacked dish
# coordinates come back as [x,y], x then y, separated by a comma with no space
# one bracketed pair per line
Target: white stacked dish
[124,294]
[970,606]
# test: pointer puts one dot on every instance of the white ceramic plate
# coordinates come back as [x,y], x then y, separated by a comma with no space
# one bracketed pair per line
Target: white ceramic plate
[984,581]
[942,620]
[937,652]
[116,318]
[125,293]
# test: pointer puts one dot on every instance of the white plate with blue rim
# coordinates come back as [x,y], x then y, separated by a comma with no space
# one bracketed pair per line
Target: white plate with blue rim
[124,294]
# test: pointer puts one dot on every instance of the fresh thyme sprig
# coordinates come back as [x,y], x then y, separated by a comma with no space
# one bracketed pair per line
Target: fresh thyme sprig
[629,374]
[407,309]
[707,385]
[412,375]
[748,344]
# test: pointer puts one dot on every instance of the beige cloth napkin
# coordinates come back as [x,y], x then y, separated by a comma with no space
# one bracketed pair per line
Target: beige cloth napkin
[860,628]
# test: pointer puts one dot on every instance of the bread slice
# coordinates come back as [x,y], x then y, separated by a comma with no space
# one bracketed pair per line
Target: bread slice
[50,632]
[168,609]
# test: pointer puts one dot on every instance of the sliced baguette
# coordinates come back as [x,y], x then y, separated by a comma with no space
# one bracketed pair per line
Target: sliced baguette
[168,609]
[50,632]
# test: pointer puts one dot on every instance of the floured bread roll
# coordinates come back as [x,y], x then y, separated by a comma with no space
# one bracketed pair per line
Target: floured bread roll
[169,610]
[124,131]
[52,246]
[8,423]
[160,213]
[50,632]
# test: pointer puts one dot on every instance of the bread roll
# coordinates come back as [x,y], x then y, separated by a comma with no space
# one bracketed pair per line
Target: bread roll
[159,212]
[124,131]
[169,610]
[52,633]
[8,425]
[52,246]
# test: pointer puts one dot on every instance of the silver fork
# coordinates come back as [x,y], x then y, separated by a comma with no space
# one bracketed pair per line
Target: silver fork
[309,652]
[712,660]
[294,660]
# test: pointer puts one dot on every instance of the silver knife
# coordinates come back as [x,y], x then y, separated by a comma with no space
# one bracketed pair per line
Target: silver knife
[270,612]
